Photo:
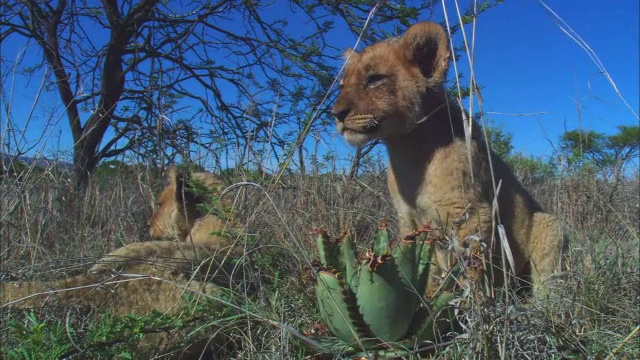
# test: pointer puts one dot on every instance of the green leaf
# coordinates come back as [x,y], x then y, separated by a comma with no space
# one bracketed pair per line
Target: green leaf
[381,242]
[350,260]
[333,307]
[404,255]
[386,305]
[329,251]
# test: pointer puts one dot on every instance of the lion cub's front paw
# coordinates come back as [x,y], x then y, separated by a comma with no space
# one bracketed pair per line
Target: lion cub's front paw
[128,255]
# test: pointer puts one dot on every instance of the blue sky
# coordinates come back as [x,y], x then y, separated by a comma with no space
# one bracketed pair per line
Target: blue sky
[524,62]
[528,65]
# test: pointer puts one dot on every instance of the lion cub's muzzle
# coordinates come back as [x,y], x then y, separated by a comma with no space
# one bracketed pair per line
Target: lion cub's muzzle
[348,121]
[363,123]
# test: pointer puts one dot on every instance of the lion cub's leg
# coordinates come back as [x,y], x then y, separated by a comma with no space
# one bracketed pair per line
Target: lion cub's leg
[136,253]
[168,253]
[469,235]
[20,293]
[33,294]
[545,249]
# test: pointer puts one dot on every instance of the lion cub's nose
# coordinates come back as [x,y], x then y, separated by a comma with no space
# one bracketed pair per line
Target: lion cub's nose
[340,113]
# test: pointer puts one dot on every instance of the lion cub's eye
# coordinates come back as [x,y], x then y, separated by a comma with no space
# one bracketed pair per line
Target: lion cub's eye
[374,80]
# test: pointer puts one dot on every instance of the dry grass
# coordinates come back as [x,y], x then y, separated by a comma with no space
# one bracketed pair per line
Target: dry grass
[47,234]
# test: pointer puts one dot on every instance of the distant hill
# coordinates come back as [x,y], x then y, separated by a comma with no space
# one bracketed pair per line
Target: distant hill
[41,162]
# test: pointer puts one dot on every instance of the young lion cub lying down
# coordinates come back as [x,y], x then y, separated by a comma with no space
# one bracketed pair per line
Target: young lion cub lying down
[153,275]
[185,217]
[197,236]
[394,91]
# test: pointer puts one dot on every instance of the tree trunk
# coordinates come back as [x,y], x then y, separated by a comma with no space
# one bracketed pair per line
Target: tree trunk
[301,158]
[84,162]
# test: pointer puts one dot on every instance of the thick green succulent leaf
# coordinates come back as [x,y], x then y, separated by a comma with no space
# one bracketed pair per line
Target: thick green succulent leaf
[424,253]
[404,256]
[334,306]
[370,303]
[386,305]
[329,251]
[381,242]
[351,264]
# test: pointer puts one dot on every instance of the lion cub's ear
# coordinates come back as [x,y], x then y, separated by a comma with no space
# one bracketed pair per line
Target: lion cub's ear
[349,53]
[172,175]
[178,178]
[427,45]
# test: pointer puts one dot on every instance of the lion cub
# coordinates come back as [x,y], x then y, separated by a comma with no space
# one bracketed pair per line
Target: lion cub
[195,239]
[153,275]
[190,225]
[182,212]
[394,91]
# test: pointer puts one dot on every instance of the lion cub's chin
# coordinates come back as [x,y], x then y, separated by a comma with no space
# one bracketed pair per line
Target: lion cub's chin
[356,138]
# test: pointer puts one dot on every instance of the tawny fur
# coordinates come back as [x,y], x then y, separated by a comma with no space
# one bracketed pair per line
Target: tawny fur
[139,289]
[180,215]
[393,91]
[183,216]
[153,275]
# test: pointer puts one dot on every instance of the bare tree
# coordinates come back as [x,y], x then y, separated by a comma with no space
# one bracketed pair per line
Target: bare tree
[138,76]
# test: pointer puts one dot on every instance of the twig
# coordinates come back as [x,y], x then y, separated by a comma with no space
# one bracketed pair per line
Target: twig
[623,343]
[592,54]
[318,108]
[516,114]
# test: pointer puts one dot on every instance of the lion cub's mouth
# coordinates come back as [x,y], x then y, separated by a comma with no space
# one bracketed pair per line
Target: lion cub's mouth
[361,124]
[358,131]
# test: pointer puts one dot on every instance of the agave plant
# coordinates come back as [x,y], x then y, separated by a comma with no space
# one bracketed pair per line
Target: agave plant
[374,304]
